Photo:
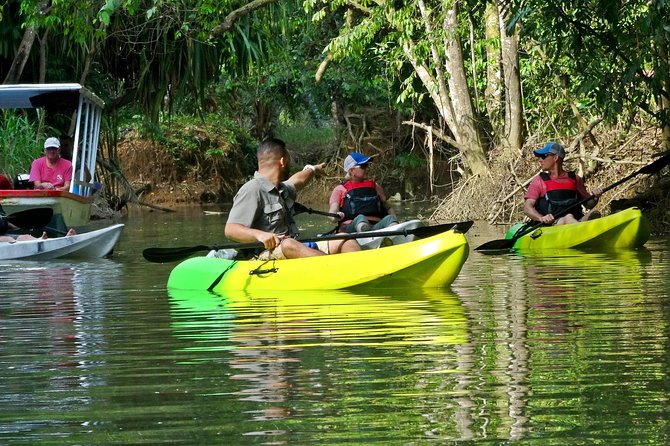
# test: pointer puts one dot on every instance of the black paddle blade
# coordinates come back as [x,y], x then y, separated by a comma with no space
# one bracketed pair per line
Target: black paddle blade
[657,165]
[429,231]
[497,245]
[163,255]
[35,218]
[299,208]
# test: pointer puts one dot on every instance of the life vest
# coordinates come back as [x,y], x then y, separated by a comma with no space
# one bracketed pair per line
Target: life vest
[361,198]
[560,195]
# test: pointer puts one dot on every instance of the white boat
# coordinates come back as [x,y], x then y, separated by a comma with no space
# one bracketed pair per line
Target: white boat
[71,208]
[87,245]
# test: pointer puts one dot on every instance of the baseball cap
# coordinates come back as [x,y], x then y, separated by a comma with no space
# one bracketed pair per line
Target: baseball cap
[356,159]
[52,142]
[552,148]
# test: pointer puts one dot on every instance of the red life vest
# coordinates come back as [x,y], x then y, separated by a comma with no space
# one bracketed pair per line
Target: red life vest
[561,194]
[361,198]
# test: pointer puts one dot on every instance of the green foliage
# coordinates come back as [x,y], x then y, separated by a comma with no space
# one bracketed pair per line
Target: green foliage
[208,138]
[303,135]
[611,57]
[19,144]
[409,160]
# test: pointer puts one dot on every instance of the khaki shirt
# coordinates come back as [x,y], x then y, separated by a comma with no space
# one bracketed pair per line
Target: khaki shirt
[260,205]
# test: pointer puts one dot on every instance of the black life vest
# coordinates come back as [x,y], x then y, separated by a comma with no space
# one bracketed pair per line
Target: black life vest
[361,198]
[560,195]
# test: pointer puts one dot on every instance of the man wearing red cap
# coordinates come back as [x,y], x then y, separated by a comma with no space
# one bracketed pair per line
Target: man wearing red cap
[360,202]
[554,190]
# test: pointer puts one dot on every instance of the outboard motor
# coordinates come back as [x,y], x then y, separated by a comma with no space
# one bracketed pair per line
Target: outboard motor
[23,182]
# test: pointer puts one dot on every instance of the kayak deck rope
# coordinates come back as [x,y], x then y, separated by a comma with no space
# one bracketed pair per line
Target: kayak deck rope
[258,271]
[218,279]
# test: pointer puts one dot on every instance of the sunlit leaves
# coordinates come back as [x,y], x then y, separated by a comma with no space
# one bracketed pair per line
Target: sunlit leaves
[609,51]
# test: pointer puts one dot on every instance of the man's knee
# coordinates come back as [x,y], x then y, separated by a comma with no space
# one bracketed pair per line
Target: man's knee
[339,246]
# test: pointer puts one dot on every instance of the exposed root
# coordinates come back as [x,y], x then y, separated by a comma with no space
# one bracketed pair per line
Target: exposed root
[498,198]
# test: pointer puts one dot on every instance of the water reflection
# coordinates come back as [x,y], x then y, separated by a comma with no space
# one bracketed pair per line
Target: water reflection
[48,312]
[567,349]
[306,345]
[564,328]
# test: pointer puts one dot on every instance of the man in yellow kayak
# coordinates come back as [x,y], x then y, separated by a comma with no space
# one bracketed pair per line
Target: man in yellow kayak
[262,208]
[555,190]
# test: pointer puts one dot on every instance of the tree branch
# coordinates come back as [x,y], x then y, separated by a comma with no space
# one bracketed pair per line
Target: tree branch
[236,14]
[438,133]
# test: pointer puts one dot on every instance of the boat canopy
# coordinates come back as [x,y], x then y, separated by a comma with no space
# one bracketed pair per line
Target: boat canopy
[86,129]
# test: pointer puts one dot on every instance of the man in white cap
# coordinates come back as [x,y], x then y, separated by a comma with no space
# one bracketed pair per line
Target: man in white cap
[554,190]
[360,202]
[51,172]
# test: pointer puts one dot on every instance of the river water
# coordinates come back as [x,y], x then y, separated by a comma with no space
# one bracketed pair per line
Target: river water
[571,349]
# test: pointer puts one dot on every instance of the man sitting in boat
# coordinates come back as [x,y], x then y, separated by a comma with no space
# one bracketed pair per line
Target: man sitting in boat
[262,208]
[51,172]
[555,190]
[6,225]
[360,202]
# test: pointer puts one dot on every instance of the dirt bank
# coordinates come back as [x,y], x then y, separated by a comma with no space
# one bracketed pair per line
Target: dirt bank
[604,158]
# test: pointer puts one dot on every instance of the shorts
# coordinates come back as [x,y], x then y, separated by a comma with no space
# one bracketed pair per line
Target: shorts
[278,254]
[320,246]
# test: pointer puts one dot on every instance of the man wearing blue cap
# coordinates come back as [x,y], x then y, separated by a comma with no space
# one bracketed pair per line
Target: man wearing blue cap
[360,202]
[555,190]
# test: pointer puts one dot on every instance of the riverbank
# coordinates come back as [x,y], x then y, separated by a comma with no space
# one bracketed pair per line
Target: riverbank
[161,179]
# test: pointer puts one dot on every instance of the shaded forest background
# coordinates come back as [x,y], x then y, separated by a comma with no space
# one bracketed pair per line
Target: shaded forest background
[451,96]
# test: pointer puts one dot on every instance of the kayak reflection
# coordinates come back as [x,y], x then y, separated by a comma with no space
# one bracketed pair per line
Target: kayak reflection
[277,348]
[313,317]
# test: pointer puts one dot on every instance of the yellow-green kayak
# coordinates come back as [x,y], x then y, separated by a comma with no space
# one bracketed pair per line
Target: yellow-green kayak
[426,263]
[625,229]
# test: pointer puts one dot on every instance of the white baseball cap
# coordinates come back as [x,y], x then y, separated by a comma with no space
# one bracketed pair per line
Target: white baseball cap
[52,142]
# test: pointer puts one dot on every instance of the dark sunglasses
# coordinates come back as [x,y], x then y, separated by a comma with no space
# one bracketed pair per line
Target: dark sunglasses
[543,156]
[362,166]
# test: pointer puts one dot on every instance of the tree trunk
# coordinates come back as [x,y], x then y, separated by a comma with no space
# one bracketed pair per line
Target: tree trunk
[493,94]
[22,54]
[467,124]
[513,137]
[44,40]
[664,101]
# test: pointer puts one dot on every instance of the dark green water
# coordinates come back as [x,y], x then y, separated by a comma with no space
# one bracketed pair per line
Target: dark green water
[565,350]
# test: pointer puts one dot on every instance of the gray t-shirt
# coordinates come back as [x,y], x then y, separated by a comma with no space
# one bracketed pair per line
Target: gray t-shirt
[260,205]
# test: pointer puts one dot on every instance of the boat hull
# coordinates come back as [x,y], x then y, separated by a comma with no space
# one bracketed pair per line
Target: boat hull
[625,229]
[425,263]
[70,210]
[93,244]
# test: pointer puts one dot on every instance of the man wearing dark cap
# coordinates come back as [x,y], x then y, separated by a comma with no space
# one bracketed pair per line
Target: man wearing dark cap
[360,202]
[263,208]
[555,190]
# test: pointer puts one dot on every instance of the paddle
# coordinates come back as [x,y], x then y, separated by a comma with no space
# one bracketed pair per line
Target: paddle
[160,255]
[505,244]
[299,208]
[30,218]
